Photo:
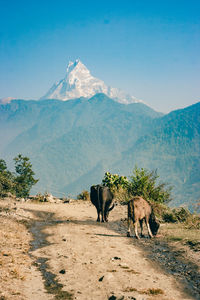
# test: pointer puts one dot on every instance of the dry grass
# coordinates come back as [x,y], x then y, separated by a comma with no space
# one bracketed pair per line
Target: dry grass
[132,271]
[152,292]
[129,289]
[14,259]
[179,232]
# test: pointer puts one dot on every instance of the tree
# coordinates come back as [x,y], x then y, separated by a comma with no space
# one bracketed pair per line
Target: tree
[144,183]
[6,179]
[24,179]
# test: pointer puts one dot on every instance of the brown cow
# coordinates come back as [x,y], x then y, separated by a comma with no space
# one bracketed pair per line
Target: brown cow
[138,211]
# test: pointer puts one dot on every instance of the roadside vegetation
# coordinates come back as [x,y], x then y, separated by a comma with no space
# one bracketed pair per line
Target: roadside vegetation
[178,224]
[20,182]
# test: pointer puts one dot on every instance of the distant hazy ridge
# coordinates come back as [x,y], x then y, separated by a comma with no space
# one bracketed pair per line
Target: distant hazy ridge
[72,143]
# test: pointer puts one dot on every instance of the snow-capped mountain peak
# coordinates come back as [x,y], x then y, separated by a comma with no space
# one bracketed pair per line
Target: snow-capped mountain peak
[76,66]
[78,82]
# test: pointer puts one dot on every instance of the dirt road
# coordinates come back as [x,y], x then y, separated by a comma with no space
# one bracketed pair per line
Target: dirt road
[73,257]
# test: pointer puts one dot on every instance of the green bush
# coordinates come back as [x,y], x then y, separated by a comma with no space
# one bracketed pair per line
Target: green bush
[84,195]
[182,214]
[41,198]
[144,183]
[169,217]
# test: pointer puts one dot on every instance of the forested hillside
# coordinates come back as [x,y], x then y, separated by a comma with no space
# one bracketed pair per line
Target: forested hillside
[72,144]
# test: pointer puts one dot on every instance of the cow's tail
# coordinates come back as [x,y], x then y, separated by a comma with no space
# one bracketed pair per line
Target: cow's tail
[110,208]
[98,198]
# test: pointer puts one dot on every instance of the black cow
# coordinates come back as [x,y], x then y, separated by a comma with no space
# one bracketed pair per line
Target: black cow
[102,198]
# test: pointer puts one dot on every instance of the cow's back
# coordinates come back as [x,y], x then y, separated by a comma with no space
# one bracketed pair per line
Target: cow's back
[138,208]
[106,195]
[94,195]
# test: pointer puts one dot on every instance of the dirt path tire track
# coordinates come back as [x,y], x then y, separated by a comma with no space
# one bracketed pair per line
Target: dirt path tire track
[97,260]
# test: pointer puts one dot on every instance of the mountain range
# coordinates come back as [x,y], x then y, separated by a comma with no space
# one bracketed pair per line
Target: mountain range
[72,142]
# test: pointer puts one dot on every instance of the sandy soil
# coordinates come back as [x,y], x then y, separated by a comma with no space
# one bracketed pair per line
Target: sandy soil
[58,251]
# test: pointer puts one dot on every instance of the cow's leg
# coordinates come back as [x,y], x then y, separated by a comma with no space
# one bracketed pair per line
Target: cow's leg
[141,227]
[136,231]
[149,230]
[103,212]
[98,215]
[102,216]
[106,215]
[106,212]
[129,227]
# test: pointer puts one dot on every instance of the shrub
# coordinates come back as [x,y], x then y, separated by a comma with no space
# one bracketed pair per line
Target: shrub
[182,214]
[84,195]
[169,217]
[40,197]
[121,195]
[144,183]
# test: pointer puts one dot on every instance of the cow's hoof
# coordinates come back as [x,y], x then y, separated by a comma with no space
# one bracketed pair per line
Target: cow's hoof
[128,234]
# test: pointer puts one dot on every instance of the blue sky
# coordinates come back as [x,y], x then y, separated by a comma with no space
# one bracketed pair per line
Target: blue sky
[147,48]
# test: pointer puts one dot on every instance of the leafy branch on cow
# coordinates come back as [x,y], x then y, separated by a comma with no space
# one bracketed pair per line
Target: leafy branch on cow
[114,181]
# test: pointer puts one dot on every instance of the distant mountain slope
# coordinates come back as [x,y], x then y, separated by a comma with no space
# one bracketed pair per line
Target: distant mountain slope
[72,143]
[173,147]
[66,140]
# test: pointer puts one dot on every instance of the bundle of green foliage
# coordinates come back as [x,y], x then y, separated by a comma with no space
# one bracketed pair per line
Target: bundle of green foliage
[114,181]
[20,182]
[84,195]
[142,183]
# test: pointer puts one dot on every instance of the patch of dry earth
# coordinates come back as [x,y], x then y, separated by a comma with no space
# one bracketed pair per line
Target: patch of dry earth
[84,260]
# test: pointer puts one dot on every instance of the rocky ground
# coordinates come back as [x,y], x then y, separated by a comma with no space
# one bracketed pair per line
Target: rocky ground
[58,251]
